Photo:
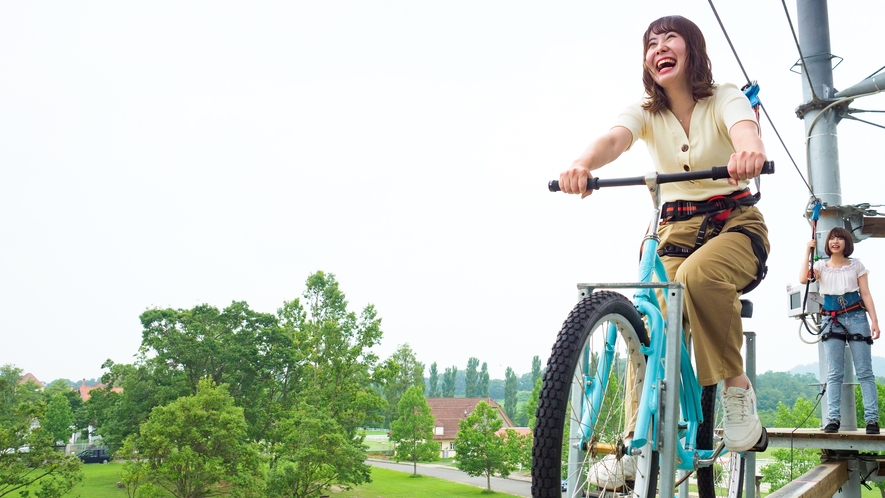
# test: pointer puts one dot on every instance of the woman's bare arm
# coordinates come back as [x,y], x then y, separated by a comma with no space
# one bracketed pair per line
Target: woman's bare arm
[864,284]
[602,151]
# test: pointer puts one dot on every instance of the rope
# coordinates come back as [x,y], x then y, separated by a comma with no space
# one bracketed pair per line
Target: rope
[728,39]
[764,110]
[877,72]
[801,57]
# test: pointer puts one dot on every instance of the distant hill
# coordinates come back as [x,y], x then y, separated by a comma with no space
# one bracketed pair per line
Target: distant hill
[812,368]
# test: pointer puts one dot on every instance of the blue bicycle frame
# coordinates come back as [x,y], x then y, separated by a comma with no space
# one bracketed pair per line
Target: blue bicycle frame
[650,416]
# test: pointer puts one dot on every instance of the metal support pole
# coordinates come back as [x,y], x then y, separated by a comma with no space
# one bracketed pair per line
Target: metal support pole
[670,391]
[822,142]
[823,165]
[750,456]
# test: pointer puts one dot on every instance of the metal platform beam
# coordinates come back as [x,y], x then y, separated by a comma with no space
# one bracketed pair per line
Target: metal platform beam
[815,438]
[822,481]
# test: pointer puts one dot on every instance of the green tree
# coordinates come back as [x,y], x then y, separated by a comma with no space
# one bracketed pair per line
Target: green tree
[433,387]
[58,419]
[480,450]
[339,365]
[519,448]
[510,391]
[45,472]
[449,376]
[134,473]
[496,389]
[56,386]
[531,407]
[776,387]
[412,431]
[536,369]
[313,453]
[858,402]
[63,387]
[318,443]
[196,443]
[484,381]
[14,393]
[408,372]
[471,378]
[237,346]
[118,415]
[789,464]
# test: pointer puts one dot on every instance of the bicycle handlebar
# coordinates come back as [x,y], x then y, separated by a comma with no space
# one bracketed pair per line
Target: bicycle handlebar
[716,173]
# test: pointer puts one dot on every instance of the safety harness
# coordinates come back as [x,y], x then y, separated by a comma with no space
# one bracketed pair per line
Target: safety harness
[716,211]
[834,320]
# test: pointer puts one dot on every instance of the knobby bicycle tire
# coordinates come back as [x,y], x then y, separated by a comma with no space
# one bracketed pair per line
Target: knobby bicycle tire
[724,479]
[575,354]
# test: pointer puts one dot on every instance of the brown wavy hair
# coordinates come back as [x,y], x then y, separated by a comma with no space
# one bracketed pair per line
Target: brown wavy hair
[699,67]
[840,233]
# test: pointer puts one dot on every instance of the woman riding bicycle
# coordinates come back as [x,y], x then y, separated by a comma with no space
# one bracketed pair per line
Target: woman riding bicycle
[690,123]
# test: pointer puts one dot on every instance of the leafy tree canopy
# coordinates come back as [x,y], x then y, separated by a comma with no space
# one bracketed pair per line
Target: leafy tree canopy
[28,462]
[412,431]
[313,453]
[194,444]
[480,450]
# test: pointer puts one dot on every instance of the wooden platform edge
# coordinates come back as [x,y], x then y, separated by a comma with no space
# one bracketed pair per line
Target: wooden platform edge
[822,481]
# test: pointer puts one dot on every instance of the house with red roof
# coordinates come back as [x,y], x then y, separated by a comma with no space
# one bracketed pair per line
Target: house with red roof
[447,412]
[84,390]
[29,377]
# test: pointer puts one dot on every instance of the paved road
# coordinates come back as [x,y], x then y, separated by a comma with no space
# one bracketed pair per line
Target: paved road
[512,486]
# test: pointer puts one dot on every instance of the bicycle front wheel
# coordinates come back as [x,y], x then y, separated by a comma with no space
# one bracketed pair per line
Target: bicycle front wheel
[588,404]
[725,478]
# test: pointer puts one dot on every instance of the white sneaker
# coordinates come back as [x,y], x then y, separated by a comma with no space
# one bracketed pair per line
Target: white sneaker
[611,473]
[741,423]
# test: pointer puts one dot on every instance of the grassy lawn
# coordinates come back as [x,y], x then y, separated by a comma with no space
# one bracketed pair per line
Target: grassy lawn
[99,481]
[394,484]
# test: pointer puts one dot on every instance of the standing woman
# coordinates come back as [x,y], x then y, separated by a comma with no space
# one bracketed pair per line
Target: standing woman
[847,300]
[689,123]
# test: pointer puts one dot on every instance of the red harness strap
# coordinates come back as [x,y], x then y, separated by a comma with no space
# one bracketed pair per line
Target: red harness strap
[855,306]
[683,210]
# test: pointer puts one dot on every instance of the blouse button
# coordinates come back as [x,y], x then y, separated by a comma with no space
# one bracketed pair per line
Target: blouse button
[684,147]
[685,167]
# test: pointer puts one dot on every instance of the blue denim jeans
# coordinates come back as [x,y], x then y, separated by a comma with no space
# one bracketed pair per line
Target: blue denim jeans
[855,322]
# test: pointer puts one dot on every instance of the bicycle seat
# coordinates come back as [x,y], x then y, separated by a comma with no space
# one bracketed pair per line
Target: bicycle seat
[746,308]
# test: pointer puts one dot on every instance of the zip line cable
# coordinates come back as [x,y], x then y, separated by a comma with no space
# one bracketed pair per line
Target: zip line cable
[877,72]
[764,110]
[728,39]
[801,57]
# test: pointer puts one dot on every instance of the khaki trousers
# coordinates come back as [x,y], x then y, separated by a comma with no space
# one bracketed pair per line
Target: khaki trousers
[712,276]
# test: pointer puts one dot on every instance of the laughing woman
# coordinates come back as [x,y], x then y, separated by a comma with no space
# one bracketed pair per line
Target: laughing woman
[689,123]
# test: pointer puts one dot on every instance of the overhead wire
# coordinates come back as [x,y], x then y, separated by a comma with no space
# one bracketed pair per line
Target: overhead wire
[799,48]
[876,72]
[764,110]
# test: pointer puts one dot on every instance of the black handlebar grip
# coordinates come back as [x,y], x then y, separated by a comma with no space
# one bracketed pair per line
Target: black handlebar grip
[592,184]
[720,172]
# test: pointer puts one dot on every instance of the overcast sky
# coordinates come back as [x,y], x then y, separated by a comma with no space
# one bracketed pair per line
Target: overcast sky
[167,154]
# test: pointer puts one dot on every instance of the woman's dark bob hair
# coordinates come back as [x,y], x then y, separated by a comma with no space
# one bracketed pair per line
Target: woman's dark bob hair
[699,67]
[843,234]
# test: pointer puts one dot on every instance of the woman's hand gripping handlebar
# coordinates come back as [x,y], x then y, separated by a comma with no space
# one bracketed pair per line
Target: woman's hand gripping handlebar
[716,173]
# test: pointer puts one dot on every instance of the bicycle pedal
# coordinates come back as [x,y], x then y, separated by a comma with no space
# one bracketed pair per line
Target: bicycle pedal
[762,444]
